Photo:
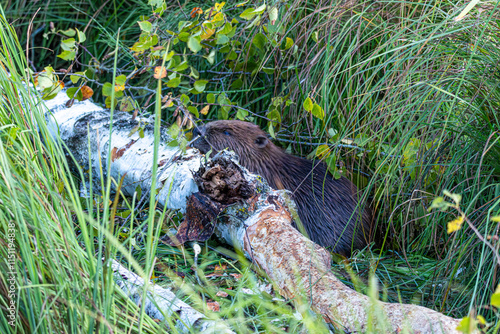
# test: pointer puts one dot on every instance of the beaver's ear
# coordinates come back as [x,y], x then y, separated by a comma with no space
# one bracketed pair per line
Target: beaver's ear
[261,141]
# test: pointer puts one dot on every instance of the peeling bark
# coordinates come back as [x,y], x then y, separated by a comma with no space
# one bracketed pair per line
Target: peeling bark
[301,269]
[260,223]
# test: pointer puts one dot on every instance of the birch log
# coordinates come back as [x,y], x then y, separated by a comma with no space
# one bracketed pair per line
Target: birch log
[261,226]
[86,123]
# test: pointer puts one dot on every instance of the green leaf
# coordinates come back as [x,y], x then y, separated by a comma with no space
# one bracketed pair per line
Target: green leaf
[106,89]
[75,78]
[273,14]
[314,36]
[210,98]
[455,197]
[495,219]
[331,163]
[322,151]
[232,55]
[68,44]
[241,114]
[466,325]
[211,57]
[248,14]
[174,82]
[308,104]
[194,111]
[268,70]
[237,84]
[199,85]
[120,80]
[145,26]
[271,130]
[126,104]
[223,113]
[181,67]
[44,81]
[70,32]
[81,36]
[107,102]
[260,9]
[221,39]
[185,99]
[318,112]
[49,70]
[184,36]
[194,44]
[332,132]
[439,203]
[67,55]
[226,29]
[274,116]
[194,73]
[288,43]
[495,298]
[71,93]
[170,55]
[174,131]
[259,41]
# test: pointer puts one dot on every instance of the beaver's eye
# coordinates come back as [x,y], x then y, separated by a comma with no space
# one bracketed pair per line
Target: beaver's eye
[227,133]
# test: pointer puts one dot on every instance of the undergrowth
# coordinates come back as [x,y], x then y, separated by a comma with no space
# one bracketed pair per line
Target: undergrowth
[408,104]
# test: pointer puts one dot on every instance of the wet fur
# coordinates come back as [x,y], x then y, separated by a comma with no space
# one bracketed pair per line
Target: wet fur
[328,208]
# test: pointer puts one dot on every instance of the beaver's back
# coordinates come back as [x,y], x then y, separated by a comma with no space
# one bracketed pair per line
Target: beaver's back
[328,208]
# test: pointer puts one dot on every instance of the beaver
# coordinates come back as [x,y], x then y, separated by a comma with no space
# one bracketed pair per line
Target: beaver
[327,207]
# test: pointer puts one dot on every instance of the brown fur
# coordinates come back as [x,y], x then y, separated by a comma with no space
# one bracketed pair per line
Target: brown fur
[328,208]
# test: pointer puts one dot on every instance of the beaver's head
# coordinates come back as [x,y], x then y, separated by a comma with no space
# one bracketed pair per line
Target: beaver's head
[255,151]
[247,140]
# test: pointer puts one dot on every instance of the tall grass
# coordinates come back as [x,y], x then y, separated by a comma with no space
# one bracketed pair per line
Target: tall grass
[58,280]
[418,93]
[59,283]
[412,95]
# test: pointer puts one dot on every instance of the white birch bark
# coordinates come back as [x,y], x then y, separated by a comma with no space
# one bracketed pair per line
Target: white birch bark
[87,123]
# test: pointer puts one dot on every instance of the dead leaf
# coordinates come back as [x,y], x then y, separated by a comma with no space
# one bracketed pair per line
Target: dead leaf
[213,306]
[219,270]
[237,276]
[196,11]
[222,294]
[87,92]
[113,153]
[205,109]
[160,72]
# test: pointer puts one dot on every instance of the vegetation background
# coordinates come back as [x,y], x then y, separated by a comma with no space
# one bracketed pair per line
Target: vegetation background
[401,97]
